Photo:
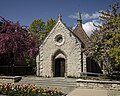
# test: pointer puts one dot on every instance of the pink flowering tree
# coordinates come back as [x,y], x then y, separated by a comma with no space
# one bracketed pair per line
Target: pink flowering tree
[16,44]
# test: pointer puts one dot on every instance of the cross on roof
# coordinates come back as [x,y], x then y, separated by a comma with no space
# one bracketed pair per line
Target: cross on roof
[59,17]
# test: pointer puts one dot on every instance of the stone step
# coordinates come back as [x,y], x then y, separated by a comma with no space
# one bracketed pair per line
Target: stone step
[66,85]
[49,81]
[52,84]
[55,83]
[39,82]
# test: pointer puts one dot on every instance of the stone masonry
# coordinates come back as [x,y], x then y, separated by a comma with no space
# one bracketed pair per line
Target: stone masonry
[61,42]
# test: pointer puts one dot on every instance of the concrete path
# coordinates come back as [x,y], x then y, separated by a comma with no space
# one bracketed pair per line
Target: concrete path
[93,92]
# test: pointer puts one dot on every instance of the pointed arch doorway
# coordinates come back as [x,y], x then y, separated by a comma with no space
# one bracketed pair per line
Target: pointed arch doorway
[59,67]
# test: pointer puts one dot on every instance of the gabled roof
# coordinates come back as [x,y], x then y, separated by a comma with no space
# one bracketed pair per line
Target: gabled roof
[79,31]
[59,22]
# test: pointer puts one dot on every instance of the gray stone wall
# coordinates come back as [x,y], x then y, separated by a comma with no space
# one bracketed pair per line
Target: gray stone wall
[98,84]
[71,46]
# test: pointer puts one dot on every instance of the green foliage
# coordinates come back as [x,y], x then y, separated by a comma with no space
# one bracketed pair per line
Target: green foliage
[37,26]
[41,29]
[49,25]
[105,41]
[114,42]
[115,52]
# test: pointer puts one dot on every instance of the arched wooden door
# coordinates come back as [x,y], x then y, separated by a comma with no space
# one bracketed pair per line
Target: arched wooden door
[59,67]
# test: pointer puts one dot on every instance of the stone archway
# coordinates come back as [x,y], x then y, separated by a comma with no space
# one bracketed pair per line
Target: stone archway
[59,67]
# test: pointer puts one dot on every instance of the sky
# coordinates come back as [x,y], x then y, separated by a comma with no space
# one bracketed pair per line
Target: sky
[25,11]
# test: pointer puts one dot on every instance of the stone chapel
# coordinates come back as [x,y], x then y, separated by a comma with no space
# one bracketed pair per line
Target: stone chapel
[60,54]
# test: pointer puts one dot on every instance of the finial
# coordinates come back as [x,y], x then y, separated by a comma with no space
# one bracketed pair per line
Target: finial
[79,20]
[59,17]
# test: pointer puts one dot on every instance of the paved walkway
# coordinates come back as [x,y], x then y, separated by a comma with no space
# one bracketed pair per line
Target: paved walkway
[66,85]
[93,92]
[76,92]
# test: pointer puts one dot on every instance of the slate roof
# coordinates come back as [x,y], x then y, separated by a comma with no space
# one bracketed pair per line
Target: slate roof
[80,33]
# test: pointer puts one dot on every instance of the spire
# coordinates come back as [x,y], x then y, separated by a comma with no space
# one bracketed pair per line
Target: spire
[79,20]
[59,17]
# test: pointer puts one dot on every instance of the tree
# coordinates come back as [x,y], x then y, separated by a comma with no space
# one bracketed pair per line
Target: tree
[49,25]
[37,26]
[105,41]
[41,29]
[114,41]
[15,43]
